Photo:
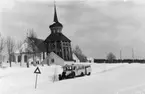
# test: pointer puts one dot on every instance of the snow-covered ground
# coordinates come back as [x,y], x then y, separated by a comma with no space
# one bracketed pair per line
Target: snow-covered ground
[105,79]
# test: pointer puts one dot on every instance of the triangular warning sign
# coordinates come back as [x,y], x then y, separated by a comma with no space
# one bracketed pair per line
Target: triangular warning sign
[37,71]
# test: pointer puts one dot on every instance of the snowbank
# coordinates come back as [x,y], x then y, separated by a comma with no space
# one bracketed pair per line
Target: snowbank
[116,79]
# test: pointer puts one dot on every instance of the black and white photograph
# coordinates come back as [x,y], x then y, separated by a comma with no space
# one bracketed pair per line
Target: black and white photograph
[72,46]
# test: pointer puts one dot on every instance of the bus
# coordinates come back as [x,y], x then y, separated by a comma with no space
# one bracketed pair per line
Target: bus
[75,70]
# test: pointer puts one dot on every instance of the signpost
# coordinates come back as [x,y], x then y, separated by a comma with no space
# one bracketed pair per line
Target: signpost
[37,71]
[54,74]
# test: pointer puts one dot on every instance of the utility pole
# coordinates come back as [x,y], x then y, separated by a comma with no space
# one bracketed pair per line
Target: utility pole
[121,55]
[133,54]
[54,79]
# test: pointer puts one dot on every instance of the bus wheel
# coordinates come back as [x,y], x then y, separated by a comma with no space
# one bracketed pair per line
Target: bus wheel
[63,75]
[89,73]
[60,77]
[82,74]
[73,74]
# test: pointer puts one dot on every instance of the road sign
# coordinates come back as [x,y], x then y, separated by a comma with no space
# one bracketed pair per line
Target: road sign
[37,71]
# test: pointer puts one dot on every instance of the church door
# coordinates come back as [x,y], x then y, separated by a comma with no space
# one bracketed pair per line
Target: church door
[19,58]
[25,58]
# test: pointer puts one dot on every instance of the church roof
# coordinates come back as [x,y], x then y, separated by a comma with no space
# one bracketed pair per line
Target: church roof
[36,41]
[42,47]
[39,43]
[57,37]
[56,24]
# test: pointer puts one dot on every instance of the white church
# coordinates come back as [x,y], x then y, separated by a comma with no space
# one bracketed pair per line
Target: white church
[55,49]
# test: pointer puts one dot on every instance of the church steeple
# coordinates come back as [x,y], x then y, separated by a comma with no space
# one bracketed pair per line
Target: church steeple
[55,14]
[56,27]
[57,42]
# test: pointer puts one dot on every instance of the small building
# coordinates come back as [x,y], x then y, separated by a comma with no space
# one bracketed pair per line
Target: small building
[91,60]
[75,58]
[53,58]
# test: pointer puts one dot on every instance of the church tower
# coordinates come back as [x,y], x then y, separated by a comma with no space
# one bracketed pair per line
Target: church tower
[56,27]
[57,42]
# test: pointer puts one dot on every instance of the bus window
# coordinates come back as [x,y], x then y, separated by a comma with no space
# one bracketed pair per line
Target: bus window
[82,67]
[76,67]
[64,68]
[73,67]
[67,68]
[70,67]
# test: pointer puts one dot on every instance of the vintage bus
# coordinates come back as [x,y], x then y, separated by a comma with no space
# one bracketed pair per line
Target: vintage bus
[74,70]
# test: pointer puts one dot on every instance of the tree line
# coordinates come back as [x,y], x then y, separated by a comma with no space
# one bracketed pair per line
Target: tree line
[120,61]
[10,46]
[9,43]
[111,58]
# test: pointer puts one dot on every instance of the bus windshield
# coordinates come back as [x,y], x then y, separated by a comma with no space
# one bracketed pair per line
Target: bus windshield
[67,68]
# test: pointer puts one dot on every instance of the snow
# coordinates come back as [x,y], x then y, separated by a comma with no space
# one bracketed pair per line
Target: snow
[105,79]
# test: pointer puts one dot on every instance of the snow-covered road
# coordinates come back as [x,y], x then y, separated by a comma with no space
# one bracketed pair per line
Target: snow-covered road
[117,78]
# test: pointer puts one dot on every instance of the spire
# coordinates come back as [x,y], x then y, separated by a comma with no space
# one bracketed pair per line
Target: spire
[55,13]
[56,27]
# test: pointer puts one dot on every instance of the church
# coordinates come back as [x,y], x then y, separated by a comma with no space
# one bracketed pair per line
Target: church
[55,48]
[57,42]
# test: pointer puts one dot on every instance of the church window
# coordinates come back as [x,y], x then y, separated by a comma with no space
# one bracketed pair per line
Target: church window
[52,60]
[54,31]
[66,44]
[53,45]
[57,30]
[58,53]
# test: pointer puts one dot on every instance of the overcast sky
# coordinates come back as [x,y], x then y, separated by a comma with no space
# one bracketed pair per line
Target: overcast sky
[98,27]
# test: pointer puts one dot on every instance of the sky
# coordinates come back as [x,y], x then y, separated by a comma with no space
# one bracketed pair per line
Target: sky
[98,27]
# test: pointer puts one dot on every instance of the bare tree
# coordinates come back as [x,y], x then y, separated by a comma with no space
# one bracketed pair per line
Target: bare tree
[18,46]
[78,52]
[2,45]
[10,48]
[32,33]
[111,57]
[31,45]
[77,49]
